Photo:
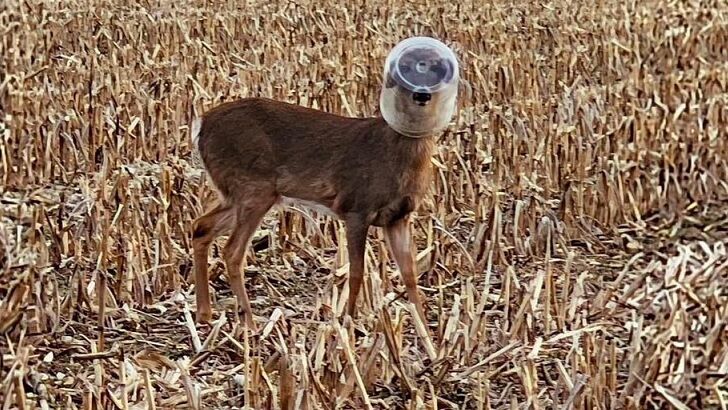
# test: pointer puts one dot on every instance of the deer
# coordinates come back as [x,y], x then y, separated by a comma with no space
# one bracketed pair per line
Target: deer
[366,171]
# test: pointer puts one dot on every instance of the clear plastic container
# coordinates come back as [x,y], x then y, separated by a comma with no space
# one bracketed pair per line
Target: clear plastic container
[420,87]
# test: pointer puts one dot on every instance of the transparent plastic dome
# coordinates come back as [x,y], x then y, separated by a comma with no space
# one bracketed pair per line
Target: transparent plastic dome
[420,86]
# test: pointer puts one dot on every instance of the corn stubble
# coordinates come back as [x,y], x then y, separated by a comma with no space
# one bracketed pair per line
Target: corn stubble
[573,253]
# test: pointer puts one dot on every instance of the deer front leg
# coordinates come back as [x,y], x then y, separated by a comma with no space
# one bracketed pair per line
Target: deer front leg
[356,236]
[399,237]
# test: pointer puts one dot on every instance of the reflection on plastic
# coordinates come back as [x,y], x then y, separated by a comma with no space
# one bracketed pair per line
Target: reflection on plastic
[420,86]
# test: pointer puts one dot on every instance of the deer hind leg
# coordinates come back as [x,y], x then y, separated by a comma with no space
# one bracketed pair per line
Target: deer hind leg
[249,214]
[205,229]
[399,238]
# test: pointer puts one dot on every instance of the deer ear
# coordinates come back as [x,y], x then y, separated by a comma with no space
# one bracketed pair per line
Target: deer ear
[389,83]
[450,71]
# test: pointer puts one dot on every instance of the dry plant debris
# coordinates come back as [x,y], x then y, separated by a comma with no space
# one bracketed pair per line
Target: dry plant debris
[573,254]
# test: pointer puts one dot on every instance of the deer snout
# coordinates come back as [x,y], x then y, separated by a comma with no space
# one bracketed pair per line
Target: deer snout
[421,98]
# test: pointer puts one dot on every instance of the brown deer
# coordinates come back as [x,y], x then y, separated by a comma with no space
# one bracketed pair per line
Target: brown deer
[260,152]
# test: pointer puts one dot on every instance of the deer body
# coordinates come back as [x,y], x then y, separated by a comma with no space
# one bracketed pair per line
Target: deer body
[260,152]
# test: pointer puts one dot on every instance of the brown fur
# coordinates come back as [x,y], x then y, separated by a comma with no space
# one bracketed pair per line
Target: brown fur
[257,151]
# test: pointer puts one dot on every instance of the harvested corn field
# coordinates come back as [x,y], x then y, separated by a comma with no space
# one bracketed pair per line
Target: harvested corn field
[572,253]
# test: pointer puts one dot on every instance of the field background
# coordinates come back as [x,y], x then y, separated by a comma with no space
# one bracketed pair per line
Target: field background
[573,253]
